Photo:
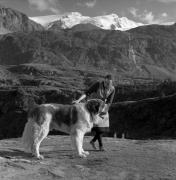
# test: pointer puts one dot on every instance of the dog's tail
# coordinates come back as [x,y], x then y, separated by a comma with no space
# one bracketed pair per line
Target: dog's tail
[28,136]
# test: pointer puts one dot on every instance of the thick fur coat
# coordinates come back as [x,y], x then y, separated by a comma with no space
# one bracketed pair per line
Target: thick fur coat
[75,119]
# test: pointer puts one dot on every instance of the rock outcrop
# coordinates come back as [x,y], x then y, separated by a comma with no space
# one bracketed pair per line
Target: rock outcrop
[15,21]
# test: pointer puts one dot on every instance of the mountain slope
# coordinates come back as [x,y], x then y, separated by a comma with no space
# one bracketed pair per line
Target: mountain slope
[145,52]
[13,21]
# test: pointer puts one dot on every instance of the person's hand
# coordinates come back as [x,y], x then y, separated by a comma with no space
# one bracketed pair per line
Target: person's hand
[109,106]
[102,113]
[106,109]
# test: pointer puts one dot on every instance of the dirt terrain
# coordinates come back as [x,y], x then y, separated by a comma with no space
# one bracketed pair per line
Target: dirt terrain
[122,160]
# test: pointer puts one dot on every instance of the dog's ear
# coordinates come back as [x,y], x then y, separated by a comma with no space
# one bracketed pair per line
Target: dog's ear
[95,106]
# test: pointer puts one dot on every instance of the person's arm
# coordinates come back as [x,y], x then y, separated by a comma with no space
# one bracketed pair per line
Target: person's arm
[108,102]
[110,98]
[83,96]
[91,90]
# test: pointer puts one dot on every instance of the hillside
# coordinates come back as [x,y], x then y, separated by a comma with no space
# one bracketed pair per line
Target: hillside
[157,119]
[144,52]
[147,118]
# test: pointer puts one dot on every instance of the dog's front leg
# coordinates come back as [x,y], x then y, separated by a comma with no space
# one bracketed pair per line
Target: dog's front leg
[77,140]
[86,153]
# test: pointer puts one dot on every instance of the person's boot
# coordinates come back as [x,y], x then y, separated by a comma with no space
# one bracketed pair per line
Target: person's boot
[93,145]
[101,148]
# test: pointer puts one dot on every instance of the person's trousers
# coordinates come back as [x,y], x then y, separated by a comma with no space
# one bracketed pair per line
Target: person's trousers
[98,136]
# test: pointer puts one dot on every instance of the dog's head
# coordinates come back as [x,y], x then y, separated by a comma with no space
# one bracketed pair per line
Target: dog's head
[95,106]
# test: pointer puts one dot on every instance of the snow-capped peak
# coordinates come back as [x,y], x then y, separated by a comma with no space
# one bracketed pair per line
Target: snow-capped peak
[45,20]
[68,20]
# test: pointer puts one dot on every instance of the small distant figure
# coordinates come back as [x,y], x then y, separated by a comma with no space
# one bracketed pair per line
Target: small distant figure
[105,91]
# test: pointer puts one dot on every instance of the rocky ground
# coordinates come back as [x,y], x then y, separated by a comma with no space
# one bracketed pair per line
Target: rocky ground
[122,160]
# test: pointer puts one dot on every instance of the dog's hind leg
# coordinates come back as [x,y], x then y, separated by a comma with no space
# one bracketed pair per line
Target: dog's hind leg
[36,146]
[40,134]
[27,137]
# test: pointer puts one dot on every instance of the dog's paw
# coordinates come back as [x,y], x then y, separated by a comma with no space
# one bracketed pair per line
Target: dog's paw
[82,155]
[86,153]
[40,157]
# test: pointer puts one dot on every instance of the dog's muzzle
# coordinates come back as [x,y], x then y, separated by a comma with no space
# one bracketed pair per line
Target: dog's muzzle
[103,110]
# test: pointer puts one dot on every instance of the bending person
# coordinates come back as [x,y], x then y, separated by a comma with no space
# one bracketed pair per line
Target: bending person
[105,91]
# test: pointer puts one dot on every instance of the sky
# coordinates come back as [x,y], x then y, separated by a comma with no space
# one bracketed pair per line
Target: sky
[145,11]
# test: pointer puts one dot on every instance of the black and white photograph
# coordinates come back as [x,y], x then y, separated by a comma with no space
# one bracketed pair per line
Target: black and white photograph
[88,89]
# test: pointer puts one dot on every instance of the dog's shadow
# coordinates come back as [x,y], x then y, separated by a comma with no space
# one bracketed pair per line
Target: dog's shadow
[15,154]
[19,154]
[93,150]
[60,154]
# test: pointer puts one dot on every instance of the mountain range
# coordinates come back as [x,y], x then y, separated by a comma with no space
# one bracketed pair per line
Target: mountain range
[142,52]
[68,20]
